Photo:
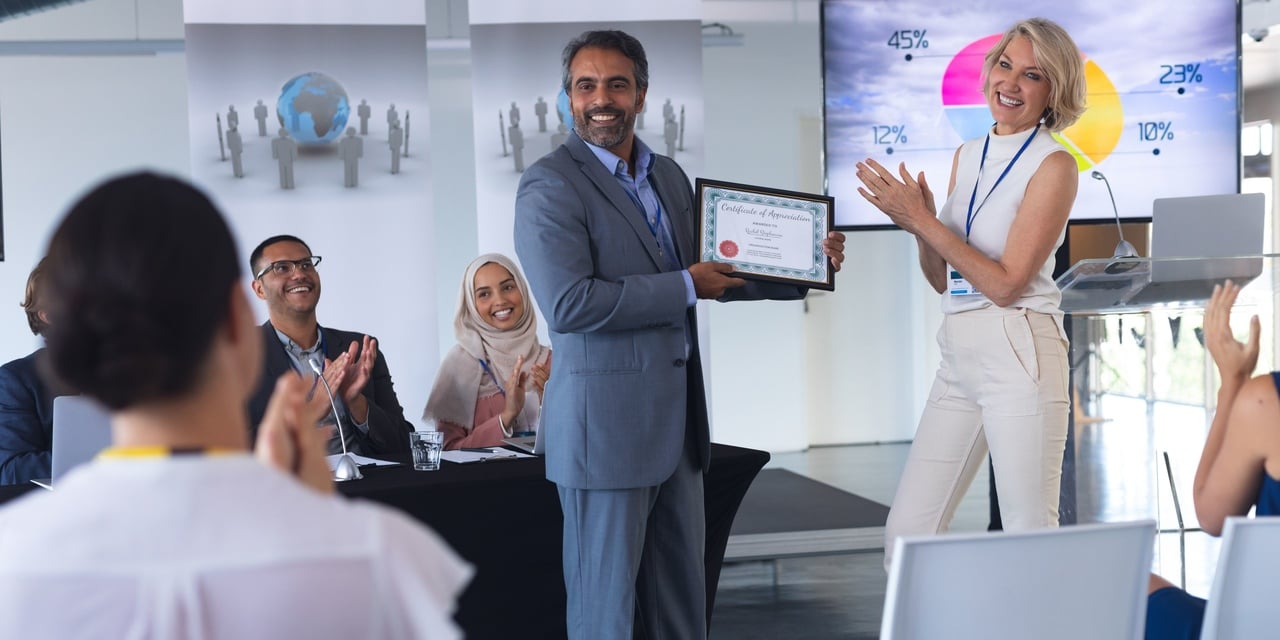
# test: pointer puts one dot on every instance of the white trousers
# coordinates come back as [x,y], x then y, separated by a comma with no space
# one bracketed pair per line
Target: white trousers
[1002,387]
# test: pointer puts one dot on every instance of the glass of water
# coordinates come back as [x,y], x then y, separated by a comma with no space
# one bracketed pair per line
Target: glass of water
[426,447]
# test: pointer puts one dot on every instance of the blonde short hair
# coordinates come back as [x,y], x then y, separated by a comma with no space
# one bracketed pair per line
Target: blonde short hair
[1060,60]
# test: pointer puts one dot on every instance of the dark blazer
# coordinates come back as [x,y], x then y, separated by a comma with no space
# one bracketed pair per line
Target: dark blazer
[26,422]
[615,410]
[388,430]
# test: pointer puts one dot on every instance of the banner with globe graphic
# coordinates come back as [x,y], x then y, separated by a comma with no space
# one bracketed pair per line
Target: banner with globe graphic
[316,125]
[521,113]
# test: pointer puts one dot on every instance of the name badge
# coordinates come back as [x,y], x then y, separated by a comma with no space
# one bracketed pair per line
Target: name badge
[957,285]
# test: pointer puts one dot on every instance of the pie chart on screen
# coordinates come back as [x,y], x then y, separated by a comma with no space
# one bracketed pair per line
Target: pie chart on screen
[1090,140]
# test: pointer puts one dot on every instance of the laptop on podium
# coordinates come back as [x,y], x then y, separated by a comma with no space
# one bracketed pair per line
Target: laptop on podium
[1223,226]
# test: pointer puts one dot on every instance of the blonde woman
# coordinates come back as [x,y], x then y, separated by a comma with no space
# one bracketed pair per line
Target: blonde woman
[1002,383]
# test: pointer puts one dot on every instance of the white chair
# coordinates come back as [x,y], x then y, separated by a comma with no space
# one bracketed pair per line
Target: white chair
[1241,601]
[1084,581]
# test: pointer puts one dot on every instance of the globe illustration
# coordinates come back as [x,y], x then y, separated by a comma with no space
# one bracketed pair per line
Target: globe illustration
[313,107]
[563,109]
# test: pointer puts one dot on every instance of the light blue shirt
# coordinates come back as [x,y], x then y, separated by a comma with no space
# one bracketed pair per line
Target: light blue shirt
[641,192]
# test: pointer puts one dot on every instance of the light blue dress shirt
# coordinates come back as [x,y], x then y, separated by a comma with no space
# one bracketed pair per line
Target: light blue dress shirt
[641,192]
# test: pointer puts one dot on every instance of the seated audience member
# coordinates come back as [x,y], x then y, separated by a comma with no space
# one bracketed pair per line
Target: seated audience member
[285,276]
[26,405]
[481,394]
[177,531]
[1240,462]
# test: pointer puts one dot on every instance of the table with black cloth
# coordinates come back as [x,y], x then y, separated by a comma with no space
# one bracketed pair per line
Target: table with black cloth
[504,518]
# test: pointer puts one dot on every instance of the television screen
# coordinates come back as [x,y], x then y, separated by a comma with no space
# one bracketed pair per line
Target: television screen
[902,83]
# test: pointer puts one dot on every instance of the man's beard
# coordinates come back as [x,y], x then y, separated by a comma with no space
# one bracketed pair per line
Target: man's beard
[608,136]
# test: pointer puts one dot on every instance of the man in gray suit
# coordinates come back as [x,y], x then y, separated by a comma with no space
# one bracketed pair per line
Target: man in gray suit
[605,229]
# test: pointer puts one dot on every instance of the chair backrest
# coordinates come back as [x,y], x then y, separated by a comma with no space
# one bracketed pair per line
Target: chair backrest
[1241,600]
[1084,581]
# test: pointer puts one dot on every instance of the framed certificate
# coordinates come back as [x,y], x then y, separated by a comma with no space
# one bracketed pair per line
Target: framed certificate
[766,234]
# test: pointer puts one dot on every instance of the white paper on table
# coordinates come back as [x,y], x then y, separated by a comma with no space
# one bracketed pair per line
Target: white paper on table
[468,457]
[361,461]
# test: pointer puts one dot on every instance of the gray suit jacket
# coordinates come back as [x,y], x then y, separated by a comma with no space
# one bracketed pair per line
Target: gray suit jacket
[616,404]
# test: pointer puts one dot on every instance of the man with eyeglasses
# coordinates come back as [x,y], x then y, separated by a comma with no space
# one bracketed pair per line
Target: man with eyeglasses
[285,276]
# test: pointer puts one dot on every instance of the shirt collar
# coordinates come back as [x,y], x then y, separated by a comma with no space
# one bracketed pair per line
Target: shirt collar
[615,165]
[294,347]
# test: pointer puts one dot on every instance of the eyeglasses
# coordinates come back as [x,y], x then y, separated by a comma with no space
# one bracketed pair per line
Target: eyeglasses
[286,267]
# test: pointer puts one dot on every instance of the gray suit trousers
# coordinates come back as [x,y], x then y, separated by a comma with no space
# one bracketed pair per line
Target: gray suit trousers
[633,562]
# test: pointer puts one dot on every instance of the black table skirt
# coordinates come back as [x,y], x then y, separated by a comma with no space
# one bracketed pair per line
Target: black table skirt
[504,518]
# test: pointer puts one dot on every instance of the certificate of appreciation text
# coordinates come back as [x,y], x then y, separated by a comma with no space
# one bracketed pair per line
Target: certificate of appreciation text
[766,234]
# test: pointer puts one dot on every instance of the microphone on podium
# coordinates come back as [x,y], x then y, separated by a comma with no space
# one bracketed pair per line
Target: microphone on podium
[1124,249]
[346,469]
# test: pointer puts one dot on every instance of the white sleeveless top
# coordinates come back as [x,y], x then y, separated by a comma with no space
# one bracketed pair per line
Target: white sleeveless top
[991,225]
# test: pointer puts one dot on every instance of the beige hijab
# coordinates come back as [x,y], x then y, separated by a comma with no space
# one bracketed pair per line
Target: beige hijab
[461,379]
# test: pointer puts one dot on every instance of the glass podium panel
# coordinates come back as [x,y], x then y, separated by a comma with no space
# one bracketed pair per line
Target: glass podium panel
[1131,285]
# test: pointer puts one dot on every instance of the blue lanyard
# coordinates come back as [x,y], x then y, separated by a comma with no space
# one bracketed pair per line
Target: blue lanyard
[485,366]
[973,213]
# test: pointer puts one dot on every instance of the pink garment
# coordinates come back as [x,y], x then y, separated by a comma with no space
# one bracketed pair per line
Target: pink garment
[487,432]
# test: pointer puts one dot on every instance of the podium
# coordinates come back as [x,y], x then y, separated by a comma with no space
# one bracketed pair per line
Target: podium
[1134,285]
[1143,385]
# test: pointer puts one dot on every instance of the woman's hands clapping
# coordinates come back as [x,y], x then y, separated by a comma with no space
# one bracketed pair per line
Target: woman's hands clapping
[906,200]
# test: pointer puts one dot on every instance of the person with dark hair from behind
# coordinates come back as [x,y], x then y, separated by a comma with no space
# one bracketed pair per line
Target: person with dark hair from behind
[176,531]
[285,275]
[1240,462]
[26,404]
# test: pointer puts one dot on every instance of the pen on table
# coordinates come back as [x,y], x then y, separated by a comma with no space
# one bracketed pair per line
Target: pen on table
[477,449]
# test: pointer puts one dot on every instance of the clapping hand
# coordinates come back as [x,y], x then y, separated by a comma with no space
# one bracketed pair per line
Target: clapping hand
[288,438]
[515,394]
[540,374]
[348,374]
[906,200]
[1236,360]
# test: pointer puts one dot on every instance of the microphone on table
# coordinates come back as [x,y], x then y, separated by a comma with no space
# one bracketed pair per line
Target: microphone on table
[346,468]
[1125,249]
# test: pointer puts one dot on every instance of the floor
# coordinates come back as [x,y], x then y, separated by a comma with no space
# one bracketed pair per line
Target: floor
[841,596]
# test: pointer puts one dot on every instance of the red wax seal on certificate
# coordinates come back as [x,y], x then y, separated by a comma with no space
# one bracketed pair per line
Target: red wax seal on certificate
[728,248]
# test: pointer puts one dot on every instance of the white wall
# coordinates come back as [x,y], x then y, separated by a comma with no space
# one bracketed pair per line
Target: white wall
[1262,104]
[65,122]
[839,367]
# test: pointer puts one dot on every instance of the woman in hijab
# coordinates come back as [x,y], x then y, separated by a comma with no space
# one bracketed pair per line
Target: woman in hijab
[481,391]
